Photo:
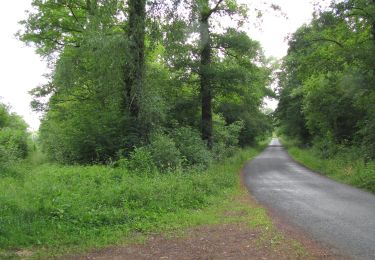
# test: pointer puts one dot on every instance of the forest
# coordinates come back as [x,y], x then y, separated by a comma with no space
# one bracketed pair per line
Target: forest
[159,79]
[152,107]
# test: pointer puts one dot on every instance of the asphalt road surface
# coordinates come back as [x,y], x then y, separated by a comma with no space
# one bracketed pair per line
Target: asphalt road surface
[340,216]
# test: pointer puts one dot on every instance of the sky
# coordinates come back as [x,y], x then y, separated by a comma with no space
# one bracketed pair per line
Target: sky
[21,69]
[277,26]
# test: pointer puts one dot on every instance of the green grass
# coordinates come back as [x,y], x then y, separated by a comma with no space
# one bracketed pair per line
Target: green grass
[53,209]
[346,167]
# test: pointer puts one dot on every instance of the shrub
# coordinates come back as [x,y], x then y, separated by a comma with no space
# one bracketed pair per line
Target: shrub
[13,137]
[164,153]
[325,146]
[226,137]
[257,126]
[14,142]
[140,161]
[191,146]
[367,134]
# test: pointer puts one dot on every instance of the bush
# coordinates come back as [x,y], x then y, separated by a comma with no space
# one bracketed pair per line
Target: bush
[257,126]
[191,146]
[13,138]
[3,160]
[367,134]
[325,146]
[226,137]
[80,137]
[140,161]
[14,142]
[164,153]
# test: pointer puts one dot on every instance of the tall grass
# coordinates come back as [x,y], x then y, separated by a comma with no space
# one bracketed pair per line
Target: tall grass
[54,206]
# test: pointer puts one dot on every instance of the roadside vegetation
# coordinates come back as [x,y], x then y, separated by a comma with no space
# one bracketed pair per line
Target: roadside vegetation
[14,139]
[49,209]
[347,165]
[327,96]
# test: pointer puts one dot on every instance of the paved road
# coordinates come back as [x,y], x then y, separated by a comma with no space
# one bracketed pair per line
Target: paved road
[335,214]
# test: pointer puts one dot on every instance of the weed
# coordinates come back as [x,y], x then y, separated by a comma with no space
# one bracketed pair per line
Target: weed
[55,208]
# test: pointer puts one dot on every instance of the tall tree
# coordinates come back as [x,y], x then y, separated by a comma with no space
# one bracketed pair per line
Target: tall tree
[117,80]
[202,13]
[327,80]
[134,66]
[205,74]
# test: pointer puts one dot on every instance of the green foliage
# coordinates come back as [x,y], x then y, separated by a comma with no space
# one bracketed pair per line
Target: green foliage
[329,108]
[53,25]
[64,206]
[367,131]
[13,139]
[326,84]
[140,162]
[326,146]
[84,122]
[192,147]
[14,142]
[116,80]
[81,137]
[164,152]
[226,137]
[242,84]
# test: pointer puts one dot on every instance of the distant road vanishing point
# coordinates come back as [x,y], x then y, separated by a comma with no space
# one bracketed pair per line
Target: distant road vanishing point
[335,214]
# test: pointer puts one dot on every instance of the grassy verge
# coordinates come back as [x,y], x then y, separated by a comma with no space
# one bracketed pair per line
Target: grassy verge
[52,209]
[345,167]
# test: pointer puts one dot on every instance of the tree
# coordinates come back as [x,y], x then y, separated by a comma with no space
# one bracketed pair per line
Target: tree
[327,80]
[134,66]
[142,69]
[205,78]
[201,56]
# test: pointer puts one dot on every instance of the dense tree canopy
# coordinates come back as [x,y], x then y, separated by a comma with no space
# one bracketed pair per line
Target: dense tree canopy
[327,93]
[130,74]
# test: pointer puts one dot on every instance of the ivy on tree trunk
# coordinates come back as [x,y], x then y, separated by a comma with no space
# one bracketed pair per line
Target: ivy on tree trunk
[205,80]
[134,68]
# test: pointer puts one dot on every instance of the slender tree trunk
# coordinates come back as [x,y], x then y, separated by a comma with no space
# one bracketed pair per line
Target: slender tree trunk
[134,69]
[205,80]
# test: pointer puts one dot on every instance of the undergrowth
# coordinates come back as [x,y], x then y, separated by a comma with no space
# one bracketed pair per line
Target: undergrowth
[53,208]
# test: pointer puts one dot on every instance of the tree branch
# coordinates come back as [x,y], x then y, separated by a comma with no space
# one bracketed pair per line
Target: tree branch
[74,15]
[67,29]
[213,10]
[328,40]
[58,42]
[362,10]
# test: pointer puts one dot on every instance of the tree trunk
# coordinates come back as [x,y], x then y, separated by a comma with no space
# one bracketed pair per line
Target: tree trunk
[134,68]
[205,80]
